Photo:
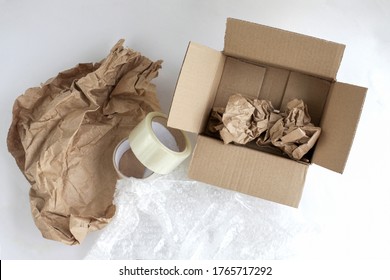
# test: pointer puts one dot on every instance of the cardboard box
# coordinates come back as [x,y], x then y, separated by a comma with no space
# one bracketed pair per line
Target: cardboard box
[265,63]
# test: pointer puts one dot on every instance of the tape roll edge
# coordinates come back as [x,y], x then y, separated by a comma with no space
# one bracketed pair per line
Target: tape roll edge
[147,124]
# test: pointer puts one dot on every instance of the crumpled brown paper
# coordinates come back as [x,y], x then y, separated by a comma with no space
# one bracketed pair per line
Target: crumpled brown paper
[63,135]
[245,120]
[215,123]
[294,134]
[237,121]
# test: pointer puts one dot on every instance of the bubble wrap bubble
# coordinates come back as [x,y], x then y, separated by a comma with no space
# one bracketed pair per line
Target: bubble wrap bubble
[172,217]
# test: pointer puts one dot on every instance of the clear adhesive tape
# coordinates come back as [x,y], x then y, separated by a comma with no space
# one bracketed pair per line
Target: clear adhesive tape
[126,164]
[158,147]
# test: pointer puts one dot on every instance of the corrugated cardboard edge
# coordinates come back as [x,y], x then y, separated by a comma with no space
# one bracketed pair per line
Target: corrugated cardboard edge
[196,88]
[248,171]
[339,123]
[281,48]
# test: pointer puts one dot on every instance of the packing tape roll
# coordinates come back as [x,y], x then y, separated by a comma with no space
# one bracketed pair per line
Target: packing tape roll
[158,147]
[126,164]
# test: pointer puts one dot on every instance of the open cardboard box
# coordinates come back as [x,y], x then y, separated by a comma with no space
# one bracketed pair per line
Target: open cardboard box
[265,63]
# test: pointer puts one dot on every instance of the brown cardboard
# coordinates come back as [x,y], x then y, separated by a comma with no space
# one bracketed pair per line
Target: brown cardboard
[274,85]
[280,48]
[197,88]
[339,123]
[313,91]
[248,171]
[241,77]
[296,66]
[63,136]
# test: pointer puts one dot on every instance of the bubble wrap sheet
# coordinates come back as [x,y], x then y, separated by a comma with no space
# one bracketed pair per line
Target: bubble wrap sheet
[173,217]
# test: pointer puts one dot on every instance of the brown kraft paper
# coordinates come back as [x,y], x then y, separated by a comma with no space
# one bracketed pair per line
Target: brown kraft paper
[63,135]
[245,120]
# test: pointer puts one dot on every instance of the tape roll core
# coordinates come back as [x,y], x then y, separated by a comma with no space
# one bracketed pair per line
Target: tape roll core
[158,147]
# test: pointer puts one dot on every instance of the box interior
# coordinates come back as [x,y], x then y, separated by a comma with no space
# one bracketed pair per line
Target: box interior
[256,81]
[275,84]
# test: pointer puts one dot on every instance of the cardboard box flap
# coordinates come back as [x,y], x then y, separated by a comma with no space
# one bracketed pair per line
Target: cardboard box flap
[339,122]
[282,48]
[196,88]
[248,171]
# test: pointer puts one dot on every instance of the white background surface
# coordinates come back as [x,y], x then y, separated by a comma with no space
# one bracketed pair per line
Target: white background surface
[40,38]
